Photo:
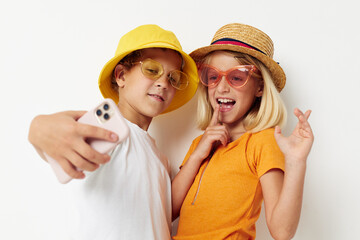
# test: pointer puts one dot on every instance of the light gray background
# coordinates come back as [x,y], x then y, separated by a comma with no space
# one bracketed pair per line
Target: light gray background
[51,53]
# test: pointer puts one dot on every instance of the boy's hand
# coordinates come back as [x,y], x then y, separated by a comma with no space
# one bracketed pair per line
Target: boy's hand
[63,138]
[214,133]
[299,143]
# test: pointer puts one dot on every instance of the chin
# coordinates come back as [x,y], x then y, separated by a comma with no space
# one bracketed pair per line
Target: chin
[154,113]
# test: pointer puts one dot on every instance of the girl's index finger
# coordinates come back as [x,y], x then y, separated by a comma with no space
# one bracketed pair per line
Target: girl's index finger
[215,118]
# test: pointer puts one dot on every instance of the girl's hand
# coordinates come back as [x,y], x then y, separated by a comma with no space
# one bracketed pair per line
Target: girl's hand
[64,139]
[214,134]
[299,143]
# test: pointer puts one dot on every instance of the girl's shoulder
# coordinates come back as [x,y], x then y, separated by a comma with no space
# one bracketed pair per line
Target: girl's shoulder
[265,132]
[262,137]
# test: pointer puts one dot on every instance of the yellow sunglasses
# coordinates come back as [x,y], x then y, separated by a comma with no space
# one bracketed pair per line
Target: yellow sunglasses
[154,70]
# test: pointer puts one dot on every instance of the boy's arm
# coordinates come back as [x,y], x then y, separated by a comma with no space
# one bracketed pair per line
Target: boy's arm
[283,192]
[64,139]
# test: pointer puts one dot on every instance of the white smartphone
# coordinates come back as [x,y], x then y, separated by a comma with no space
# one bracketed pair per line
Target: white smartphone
[105,115]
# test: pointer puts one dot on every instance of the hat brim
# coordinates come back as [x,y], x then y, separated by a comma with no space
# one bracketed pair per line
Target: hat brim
[276,71]
[181,96]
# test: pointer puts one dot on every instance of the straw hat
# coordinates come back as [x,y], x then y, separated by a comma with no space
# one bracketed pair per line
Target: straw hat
[245,39]
[149,36]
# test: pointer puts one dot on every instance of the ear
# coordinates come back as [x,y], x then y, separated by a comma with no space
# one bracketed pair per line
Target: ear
[260,89]
[119,73]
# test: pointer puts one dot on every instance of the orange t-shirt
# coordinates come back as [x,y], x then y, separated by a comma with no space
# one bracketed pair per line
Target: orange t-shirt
[224,202]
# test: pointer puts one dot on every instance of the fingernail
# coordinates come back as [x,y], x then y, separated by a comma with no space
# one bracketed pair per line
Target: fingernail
[114,136]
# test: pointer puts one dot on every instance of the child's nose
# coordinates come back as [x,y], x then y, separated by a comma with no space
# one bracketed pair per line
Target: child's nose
[223,85]
[162,82]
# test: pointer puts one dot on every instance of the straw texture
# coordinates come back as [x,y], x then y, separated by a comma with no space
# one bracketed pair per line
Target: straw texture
[249,40]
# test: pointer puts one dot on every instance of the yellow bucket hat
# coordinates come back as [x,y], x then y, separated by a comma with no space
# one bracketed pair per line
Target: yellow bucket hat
[150,36]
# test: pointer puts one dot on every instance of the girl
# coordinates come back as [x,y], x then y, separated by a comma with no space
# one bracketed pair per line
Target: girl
[242,157]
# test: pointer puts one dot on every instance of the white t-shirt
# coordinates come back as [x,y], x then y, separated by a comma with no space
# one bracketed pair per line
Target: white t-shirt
[126,198]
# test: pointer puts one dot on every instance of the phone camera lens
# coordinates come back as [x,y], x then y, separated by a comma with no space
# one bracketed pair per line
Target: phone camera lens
[106,116]
[106,106]
[98,112]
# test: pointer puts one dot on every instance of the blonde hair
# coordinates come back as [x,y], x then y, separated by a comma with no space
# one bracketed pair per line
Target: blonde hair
[267,111]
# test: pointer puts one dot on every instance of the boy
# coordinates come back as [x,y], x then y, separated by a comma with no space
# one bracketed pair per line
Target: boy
[129,197]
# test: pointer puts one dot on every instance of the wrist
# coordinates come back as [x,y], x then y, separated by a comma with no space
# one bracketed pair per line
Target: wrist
[194,160]
[295,164]
[197,157]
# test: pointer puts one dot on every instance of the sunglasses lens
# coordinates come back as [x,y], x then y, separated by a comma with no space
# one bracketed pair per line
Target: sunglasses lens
[151,69]
[178,80]
[209,76]
[154,70]
[238,77]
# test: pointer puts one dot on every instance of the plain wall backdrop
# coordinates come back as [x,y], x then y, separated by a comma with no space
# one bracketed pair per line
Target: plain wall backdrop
[51,53]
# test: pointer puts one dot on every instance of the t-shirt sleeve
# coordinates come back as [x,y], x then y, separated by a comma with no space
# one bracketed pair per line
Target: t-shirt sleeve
[265,153]
[192,148]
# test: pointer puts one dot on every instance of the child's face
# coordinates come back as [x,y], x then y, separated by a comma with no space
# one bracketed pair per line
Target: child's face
[139,95]
[234,102]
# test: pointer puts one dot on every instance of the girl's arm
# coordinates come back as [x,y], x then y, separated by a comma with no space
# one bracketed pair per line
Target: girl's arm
[64,139]
[283,192]
[183,181]
[185,177]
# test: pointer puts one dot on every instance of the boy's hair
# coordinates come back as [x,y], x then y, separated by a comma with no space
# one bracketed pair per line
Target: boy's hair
[127,62]
[267,111]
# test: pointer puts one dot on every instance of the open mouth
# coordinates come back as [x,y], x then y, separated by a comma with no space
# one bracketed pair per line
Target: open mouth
[225,103]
